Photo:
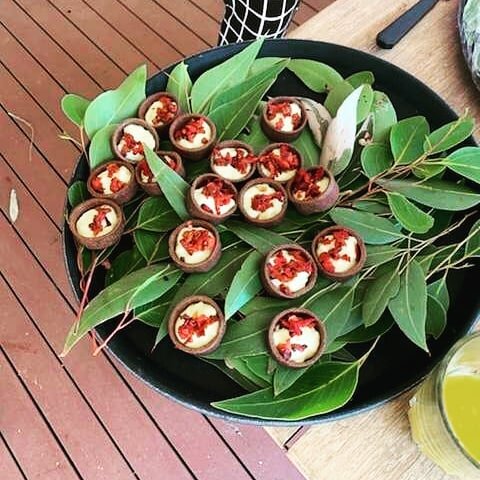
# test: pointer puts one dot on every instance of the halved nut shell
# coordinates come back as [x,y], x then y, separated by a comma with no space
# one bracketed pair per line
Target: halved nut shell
[118,134]
[278,135]
[263,172]
[232,144]
[147,103]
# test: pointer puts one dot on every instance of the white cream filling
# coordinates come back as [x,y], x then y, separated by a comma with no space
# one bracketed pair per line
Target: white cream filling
[151,113]
[322,185]
[139,134]
[288,125]
[211,331]
[350,248]
[194,258]
[227,171]
[87,217]
[261,189]
[297,282]
[209,201]
[282,176]
[144,178]
[309,337]
[122,174]
[197,140]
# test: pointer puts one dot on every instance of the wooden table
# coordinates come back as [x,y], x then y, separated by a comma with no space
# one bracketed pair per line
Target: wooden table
[377,445]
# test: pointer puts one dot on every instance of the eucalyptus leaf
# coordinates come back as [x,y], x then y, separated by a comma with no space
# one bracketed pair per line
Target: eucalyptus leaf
[100,149]
[77,193]
[376,158]
[153,246]
[407,138]
[74,107]
[285,377]
[375,205]
[153,313]
[436,320]
[409,306]
[449,135]
[361,78]
[259,365]
[373,229]
[260,303]
[241,366]
[472,248]
[380,254]
[364,103]
[245,284]
[131,291]
[318,118]
[232,373]
[323,388]
[384,117]
[263,63]
[173,186]
[440,194]
[336,96]
[254,136]
[317,76]
[113,106]
[156,215]
[426,170]
[125,263]
[180,85]
[309,150]
[217,79]
[465,162]
[409,215]
[366,334]
[439,291]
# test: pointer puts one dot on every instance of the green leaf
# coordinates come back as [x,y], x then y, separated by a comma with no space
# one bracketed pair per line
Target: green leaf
[173,186]
[245,284]
[317,76]
[156,215]
[439,291]
[323,388]
[124,264]
[379,291]
[434,193]
[133,290]
[254,136]
[361,78]
[285,377]
[436,320]
[74,107]
[263,63]
[427,170]
[373,229]
[217,79]
[407,138]
[371,206]
[306,145]
[465,162]
[337,95]
[241,366]
[449,135]
[259,303]
[472,248]
[153,313]
[77,193]
[232,373]
[113,106]
[375,158]
[100,149]
[152,246]
[364,103]
[366,334]
[261,239]
[409,215]
[259,365]
[180,85]
[379,254]
[409,307]
[384,117]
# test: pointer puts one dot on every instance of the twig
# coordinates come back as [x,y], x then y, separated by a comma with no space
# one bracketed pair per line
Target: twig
[32,133]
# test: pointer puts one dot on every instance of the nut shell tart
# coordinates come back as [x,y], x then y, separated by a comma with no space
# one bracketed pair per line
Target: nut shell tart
[193,136]
[211,198]
[342,248]
[235,168]
[143,172]
[263,202]
[133,132]
[110,181]
[277,268]
[202,317]
[196,251]
[279,162]
[159,111]
[283,119]
[313,190]
[96,220]
[296,338]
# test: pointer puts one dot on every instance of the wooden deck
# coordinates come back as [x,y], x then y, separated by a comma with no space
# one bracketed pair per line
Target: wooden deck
[88,417]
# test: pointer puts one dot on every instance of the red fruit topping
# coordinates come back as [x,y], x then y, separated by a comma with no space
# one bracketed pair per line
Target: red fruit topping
[166,113]
[195,326]
[131,145]
[192,128]
[285,110]
[338,241]
[112,169]
[295,322]
[115,184]
[242,162]
[276,164]
[197,240]
[221,193]
[285,270]
[306,181]
[262,202]
[96,184]
[287,348]
[145,171]
[97,224]
[170,161]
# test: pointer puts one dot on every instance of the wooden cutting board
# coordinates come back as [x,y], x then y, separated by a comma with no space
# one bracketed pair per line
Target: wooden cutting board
[377,445]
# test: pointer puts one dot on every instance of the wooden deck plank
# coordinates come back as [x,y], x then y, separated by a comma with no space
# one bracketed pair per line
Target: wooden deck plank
[28,436]
[10,468]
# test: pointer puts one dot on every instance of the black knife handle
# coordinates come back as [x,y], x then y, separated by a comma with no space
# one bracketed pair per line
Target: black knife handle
[392,34]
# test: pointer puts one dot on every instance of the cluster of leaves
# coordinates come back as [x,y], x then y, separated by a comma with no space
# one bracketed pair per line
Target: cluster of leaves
[396,193]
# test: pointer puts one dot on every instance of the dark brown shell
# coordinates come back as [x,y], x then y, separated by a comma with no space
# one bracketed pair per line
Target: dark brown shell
[145,105]
[267,282]
[276,353]
[153,188]
[233,144]
[194,209]
[103,241]
[118,133]
[210,262]
[321,203]
[179,308]
[122,196]
[195,153]
[276,135]
[263,223]
[362,254]
[271,147]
